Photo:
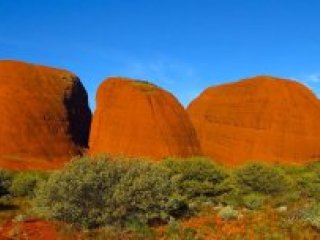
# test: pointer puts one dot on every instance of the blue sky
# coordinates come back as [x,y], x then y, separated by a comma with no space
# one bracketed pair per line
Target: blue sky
[181,45]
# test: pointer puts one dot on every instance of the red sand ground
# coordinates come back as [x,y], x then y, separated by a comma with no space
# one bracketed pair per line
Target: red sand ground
[263,119]
[135,118]
[34,229]
[45,118]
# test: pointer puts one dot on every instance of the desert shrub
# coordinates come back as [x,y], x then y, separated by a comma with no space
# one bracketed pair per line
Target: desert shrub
[142,194]
[232,197]
[306,179]
[228,213]
[289,197]
[311,215]
[308,183]
[177,206]
[261,178]
[253,201]
[24,183]
[76,194]
[96,192]
[196,177]
[313,166]
[5,182]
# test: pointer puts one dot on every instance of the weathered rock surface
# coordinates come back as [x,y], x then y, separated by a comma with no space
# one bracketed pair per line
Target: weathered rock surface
[44,116]
[138,119]
[259,119]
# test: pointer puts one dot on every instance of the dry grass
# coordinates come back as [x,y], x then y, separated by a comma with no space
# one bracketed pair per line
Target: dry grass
[264,224]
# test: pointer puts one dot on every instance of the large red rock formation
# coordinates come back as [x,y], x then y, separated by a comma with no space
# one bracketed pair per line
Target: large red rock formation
[259,119]
[135,118]
[45,118]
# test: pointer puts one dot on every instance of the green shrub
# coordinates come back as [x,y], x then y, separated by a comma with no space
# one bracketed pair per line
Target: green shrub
[75,194]
[253,201]
[5,182]
[233,195]
[196,177]
[24,183]
[311,215]
[228,213]
[261,178]
[313,166]
[101,191]
[177,206]
[284,199]
[307,179]
[142,194]
[309,184]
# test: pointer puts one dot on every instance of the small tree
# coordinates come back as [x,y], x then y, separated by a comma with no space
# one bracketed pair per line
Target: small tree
[196,177]
[96,192]
[261,178]
[24,183]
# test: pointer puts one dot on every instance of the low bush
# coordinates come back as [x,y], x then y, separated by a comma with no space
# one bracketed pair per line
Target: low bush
[253,201]
[96,192]
[287,198]
[233,195]
[142,194]
[261,178]
[196,178]
[5,181]
[313,166]
[306,178]
[228,213]
[104,191]
[24,183]
[311,215]
[308,183]
[177,206]
[76,194]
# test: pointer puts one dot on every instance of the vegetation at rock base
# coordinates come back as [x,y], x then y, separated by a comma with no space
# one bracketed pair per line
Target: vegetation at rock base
[5,182]
[24,183]
[121,198]
[196,178]
[102,191]
[261,178]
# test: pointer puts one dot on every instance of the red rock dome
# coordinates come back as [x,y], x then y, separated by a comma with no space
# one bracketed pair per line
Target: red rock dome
[139,119]
[258,119]
[45,118]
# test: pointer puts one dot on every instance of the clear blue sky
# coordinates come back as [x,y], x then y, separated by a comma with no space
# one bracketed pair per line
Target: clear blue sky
[181,45]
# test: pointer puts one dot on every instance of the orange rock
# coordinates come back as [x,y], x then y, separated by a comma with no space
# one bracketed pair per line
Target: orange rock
[45,118]
[259,119]
[135,118]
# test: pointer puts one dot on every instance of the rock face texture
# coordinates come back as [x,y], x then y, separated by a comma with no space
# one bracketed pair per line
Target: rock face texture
[45,118]
[138,119]
[259,119]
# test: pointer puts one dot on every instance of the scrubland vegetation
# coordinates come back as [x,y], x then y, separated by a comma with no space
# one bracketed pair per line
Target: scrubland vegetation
[119,198]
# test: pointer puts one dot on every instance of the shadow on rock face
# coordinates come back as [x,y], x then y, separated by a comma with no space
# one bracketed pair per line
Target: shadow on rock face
[79,114]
